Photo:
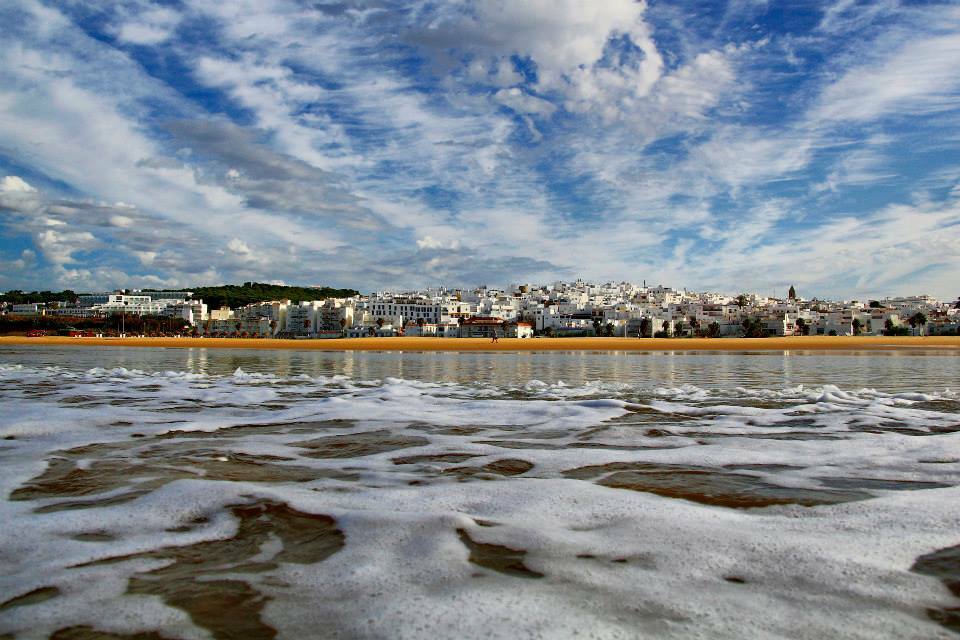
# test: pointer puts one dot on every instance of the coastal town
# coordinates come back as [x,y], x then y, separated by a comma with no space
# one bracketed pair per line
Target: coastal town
[560,309]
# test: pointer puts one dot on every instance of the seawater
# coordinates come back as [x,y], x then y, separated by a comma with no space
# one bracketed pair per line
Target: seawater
[258,494]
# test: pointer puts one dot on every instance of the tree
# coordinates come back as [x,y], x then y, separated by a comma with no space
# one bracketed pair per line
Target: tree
[306,325]
[889,327]
[273,327]
[597,324]
[874,304]
[17,296]
[753,328]
[857,326]
[713,331]
[231,295]
[549,332]
[802,326]
[695,325]
[371,332]
[380,323]
[792,294]
[609,329]
[741,300]
[918,319]
[421,322]
[644,327]
[666,329]
[343,325]
[237,327]
[679,328]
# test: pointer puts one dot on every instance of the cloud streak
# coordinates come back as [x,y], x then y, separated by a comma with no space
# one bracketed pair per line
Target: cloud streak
[376,144]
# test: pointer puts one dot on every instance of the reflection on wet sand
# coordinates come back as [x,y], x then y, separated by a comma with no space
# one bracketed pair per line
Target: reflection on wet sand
[194,579]
[708,486]
[499,558]
[945,565]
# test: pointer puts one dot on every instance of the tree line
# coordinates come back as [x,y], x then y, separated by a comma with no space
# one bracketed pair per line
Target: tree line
[231,295]
[17,296]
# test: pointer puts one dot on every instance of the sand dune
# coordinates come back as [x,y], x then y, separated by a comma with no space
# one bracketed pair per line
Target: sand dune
[813,343]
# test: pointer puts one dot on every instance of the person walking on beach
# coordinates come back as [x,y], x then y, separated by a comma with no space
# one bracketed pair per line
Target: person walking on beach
[495,338]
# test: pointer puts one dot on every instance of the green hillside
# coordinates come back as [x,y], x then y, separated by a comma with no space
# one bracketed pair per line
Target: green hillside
[231,295]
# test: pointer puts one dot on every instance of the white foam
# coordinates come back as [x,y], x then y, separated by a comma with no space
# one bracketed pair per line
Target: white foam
[404,571]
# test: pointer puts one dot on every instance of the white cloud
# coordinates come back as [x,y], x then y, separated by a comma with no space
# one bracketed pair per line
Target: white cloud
[348,155]
[844,16]
[739,157]
[522,102]
[500,73]
[920,76]
[429,242]
[121,221]
[239,247]
[59,246]
[15,184]
[150,27]
[146,258]
[559,35]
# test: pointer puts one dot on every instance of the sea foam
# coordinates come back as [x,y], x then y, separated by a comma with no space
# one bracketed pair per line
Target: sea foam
[527,509]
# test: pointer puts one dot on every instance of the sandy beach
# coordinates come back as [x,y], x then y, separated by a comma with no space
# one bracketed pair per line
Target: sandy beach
[802,343]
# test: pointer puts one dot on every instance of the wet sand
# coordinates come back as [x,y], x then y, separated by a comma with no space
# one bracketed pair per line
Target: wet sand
[800,343]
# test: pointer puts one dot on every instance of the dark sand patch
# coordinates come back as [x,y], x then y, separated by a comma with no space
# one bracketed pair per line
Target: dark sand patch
[498,558]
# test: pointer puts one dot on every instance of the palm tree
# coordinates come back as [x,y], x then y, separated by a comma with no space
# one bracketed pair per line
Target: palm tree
[371,332]
[609,329]
[549,332]
[918,319]
[343,325]
[857,326]
[273,327]
[380,323]
[741,301]
[695,325]
[237,327]
[596,326]
[679,328]
[801,326]
[666,328]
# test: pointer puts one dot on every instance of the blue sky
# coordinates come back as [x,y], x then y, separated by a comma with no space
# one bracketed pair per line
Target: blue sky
[738,146]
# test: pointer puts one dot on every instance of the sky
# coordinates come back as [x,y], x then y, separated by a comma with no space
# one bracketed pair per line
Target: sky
[729,146]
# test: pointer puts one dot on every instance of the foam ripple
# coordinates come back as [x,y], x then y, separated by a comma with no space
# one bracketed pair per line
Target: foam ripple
[377,505]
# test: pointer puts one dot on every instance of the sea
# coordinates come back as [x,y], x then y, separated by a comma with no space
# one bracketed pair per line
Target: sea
[202,493]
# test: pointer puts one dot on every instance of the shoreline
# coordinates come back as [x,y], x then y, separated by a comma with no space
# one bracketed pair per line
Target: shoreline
[949,344]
